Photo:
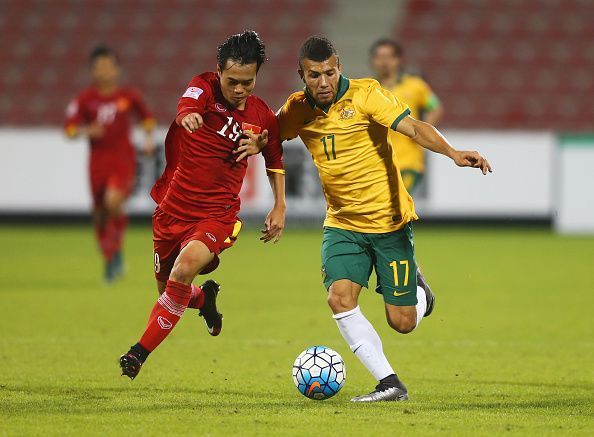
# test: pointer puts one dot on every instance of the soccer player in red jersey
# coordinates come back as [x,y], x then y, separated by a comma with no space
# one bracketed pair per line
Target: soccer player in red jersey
[218,124]
[102,113]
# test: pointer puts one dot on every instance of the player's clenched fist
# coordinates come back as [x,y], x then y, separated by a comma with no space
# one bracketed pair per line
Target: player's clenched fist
[192,122]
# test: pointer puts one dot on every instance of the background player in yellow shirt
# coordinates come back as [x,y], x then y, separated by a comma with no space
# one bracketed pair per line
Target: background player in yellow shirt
[386,61]
[344,124]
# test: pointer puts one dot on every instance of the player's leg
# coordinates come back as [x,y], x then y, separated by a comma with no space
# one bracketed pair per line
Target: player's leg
[170,306]
[346,266]
[407,301]
[116,222]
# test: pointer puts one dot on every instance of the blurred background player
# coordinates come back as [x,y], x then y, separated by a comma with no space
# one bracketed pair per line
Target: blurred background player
[386,61]
[102,113]
[218,124]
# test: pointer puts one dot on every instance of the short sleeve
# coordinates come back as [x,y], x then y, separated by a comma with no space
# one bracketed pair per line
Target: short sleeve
[74,116]
[428,99]
[194,98]
[287,121]
[383,107]
[141,109]
[273,152]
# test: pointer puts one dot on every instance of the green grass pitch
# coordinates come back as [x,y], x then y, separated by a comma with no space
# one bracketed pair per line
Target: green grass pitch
[508,350]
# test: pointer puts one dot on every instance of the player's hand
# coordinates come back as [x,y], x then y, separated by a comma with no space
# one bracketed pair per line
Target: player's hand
[274,225]
[252,145]
[94,130]
[465,158]
[192,122]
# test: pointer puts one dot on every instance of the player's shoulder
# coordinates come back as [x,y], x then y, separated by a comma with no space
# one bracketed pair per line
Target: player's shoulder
[413,80]
[207,81]
[87,93]
[259,103]
[363,86]
[296,100]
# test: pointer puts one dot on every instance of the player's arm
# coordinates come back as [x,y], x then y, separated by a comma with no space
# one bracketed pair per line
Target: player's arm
[387,110]
[147,122]
[75,125]
[430,138]
[432,107]
[191,104]
[273,158]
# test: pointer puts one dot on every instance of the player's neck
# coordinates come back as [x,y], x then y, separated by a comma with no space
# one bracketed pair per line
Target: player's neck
[389,81]
[106,89]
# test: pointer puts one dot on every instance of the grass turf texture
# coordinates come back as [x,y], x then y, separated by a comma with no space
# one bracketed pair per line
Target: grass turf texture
[508,349]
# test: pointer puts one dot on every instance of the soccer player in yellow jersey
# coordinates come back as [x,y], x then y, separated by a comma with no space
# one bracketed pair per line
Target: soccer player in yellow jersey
[344,124]
[386,61]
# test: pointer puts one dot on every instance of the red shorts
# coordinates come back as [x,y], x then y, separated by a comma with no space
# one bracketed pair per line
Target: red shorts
[171,235]
[119,178]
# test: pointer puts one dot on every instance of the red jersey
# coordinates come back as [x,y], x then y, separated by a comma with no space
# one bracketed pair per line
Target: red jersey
[202,179]
[112,112]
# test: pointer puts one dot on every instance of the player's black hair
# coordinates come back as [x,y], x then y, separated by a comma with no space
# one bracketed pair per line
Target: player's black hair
[394,45]
[316,48]
[243,48]
[100,51]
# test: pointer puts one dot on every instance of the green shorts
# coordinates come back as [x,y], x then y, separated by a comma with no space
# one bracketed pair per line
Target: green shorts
[353,255]
[411,179]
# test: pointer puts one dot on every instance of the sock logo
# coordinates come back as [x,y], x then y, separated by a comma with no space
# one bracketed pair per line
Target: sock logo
[164,323]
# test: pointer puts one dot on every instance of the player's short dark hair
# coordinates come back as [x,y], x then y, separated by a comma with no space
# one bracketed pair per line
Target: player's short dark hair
[243,48]
[393,44]
[316,48]
[101,51]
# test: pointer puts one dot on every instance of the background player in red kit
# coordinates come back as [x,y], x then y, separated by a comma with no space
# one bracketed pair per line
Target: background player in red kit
[102,113]
[218,124]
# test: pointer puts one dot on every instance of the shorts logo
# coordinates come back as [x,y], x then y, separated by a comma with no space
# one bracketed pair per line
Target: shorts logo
[400,294]
[220,107]
[164,323]
[212,237]
[193,92]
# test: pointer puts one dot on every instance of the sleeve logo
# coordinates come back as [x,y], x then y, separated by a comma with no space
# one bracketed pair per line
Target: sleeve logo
[193,92]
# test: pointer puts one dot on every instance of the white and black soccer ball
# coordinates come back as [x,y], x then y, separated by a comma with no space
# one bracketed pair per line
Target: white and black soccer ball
[319,372]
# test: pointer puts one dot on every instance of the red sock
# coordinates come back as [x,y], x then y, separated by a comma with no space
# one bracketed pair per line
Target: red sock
[165,314]
[197,299]
[118,228]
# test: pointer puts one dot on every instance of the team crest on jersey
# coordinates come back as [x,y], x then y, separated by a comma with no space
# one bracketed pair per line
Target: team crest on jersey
[219,107]
[347,111]
[193,92]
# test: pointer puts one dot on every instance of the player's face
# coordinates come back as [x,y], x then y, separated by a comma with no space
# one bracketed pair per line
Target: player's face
[321,79]
[237,82]
[384,61]
[105,70]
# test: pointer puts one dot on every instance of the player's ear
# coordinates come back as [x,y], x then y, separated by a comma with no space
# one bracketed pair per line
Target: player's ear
[219,71]
[300,71]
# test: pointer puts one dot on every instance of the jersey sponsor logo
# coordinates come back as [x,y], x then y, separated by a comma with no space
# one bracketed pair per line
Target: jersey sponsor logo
[219,107]
[193,92]
[400,294]
[212,237]
[250,128]
[164,323]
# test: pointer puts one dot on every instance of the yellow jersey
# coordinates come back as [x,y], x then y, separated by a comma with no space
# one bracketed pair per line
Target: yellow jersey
[417,94]
[349,144]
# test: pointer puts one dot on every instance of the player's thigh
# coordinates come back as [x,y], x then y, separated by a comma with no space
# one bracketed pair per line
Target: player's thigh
[343,295]
[161,285]
[345,256]
[395,266]
[194,256]
[168,234]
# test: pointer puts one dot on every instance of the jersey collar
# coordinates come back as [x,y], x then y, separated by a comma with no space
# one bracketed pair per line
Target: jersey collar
[343,86]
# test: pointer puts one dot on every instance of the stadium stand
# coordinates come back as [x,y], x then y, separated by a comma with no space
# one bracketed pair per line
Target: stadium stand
[494,65]
[45,45]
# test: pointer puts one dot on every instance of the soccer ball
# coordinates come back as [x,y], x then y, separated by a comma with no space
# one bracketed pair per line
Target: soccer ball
[319,372]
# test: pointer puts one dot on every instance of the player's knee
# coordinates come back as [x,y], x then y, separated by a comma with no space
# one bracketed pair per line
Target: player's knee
[402,323]
[339,303]
[183,271]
